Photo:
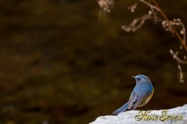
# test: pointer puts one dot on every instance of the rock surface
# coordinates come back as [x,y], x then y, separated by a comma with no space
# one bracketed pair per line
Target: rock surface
[176,115]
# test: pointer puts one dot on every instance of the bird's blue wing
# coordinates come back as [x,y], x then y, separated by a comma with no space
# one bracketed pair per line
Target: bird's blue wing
[132,100]
[121,109]
[139,95]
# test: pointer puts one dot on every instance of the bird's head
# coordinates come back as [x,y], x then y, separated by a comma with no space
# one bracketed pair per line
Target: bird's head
[141,78]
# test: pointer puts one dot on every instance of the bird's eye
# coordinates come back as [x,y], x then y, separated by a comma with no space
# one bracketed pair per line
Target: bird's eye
[138,79]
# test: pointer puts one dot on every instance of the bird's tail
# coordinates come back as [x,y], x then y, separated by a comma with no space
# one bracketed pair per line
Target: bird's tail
[121,109]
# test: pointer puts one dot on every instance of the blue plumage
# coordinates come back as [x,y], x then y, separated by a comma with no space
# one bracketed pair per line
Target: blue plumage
[140,95]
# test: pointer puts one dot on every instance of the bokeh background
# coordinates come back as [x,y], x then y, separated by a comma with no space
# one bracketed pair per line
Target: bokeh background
[59,64]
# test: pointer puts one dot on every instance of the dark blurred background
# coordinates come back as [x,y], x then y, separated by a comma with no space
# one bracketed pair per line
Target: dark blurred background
[60,65]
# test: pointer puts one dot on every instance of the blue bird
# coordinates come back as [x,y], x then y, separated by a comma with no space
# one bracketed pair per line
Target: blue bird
[141,94]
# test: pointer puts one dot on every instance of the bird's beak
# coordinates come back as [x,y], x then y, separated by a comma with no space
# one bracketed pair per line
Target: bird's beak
[134,76]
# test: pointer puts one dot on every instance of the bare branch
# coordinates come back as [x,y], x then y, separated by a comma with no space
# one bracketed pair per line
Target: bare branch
[179,61]
[175,56]
[175,26]
[150,5]
[106,5]
[180,74]
[136,23]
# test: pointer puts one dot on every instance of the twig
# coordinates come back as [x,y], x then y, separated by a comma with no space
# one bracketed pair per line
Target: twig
[168,25]
[175,56]
[148,4]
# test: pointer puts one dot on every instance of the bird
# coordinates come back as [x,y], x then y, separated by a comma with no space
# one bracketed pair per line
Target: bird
[141,94]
